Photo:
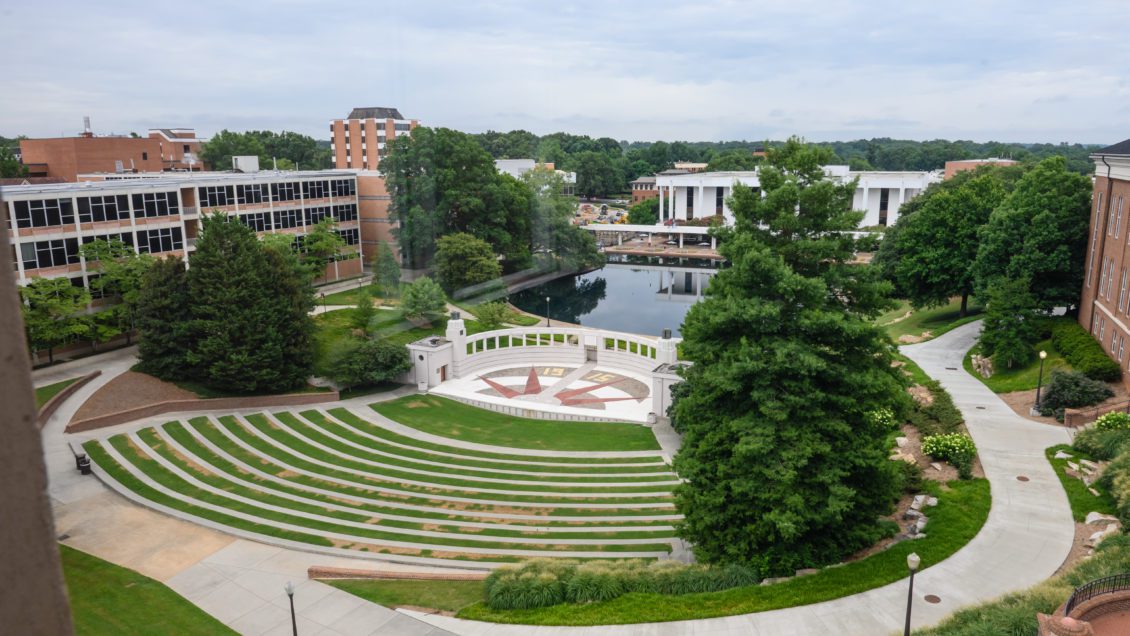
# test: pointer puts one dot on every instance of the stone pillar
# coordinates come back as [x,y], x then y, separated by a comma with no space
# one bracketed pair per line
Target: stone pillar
[680,240]
[665,352]
[457,334]
[898,205]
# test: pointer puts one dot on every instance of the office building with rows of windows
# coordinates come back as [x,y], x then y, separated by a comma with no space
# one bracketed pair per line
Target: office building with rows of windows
[159,213]
[361,140]
[1104,308]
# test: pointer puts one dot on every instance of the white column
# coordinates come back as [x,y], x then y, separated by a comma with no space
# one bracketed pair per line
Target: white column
[662,213]
[671,199]
[680,240]
[865,205]
[698,204]
[891,218]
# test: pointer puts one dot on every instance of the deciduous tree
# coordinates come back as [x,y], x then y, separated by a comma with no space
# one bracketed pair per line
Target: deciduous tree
[784,468]
[463,261]
[121,271]
[362,362]
[422,299]
[387,270]
[54,313]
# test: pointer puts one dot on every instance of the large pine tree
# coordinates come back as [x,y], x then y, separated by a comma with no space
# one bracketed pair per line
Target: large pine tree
[784,467]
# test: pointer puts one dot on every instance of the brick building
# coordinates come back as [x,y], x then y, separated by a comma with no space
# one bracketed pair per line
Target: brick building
[65,158]
[1104,308]
[954,167]
[360,140]
[643,189]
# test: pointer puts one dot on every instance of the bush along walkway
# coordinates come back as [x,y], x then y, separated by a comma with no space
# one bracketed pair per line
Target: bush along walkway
[1028,534]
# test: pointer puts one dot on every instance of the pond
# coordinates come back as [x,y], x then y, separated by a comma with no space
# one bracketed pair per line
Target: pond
[643,295]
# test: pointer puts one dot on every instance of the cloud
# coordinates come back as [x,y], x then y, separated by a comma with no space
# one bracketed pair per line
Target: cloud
[713,69]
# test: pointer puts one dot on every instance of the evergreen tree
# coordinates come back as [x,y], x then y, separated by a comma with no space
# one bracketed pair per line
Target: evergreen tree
[162,320]
[1010,323]
[387,270]
[423,299]
[364,312]
[784,467]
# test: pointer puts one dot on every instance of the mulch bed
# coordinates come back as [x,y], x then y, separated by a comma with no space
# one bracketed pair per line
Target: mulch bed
[130,390]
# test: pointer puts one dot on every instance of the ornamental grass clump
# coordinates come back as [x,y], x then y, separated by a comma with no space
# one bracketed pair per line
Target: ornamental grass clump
[545,582]
[955,448]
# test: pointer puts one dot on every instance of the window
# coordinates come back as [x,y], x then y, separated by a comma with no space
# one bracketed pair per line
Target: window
[52,253]
[145,156]
[313,215]
[351,236]
[690,203]
[1118,218]
[343,187]
[260,222]
[216,196]
[124,237]
[284,191]
[719,199]
[107,208]
[287,219]
[186,149]
[1113,341]
[1102,279]
[1102,328]
[1122,290]
[315,189]
[252,193]
[345,212]
[155,204]
[402,127]
[884,202]
[164,239]
[44,213]
[1121,347]
[1110,280]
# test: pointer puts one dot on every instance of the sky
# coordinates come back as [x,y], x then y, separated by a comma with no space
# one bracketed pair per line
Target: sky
[693,70]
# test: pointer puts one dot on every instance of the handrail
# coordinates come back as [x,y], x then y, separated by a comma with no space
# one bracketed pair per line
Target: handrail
[1098,587]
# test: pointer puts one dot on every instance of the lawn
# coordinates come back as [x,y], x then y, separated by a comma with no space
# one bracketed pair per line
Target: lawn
[961,512]
[349,296]
[45,393]
[1082,501]
[447,596]
[447,418]
[913,371]
[1021,378]
[935,320]
[108,599]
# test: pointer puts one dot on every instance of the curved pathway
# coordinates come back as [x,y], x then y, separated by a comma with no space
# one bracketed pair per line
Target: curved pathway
[1026,538]
[1028,534]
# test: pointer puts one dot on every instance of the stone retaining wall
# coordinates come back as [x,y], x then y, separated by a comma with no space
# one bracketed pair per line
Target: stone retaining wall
[1077,418]
[218,404]
[323,572]
[52,405]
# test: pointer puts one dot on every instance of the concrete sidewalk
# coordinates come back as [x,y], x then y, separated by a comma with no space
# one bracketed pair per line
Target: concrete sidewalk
[1027,536]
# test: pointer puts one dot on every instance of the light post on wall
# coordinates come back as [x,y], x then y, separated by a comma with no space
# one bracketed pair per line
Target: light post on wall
[293,621]
[547,322]
[1040,381]
[912,562]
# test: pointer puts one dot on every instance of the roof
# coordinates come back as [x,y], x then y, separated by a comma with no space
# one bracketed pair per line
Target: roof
[168,181]
[645,180]
[673,171]
[375,112]
[1120,148]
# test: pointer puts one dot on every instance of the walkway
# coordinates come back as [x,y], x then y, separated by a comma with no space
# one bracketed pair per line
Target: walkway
[1026,538]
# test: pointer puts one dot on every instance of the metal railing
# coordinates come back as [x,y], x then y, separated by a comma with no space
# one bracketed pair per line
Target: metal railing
[1098,587]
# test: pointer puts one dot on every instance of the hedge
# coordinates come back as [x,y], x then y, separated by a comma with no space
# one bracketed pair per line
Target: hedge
[1084,353]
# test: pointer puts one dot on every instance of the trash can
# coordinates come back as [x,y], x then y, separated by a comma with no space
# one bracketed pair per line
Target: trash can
[78,460]
[84,465]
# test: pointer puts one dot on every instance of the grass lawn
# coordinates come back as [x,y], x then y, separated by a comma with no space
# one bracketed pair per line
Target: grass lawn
[936,320]
[1082,501]
[45,393]
[448,596]
[962,509]
[349,296]
[916,374]
[448,418]
[1022,378]
[108,599]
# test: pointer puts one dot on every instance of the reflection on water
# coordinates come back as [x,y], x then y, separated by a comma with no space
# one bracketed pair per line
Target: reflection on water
[640,295]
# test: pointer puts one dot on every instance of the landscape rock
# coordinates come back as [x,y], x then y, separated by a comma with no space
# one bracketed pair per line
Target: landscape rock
[1098,517]
[921,524]
[904,457]
[918,501]
[806,571]
[1062,455]
[931,501]
[921,535]
[1089,464]
[1094,492]
[902,441]
[936,466]
[1073,466]
[777,579]
[911,514]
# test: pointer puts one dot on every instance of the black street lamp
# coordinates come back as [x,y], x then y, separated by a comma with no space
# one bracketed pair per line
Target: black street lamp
[323,302]
[1040,381]
[912,562]
[547,322]
[293,621]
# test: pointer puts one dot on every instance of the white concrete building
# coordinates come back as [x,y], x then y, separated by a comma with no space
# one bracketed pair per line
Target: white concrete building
[696,195]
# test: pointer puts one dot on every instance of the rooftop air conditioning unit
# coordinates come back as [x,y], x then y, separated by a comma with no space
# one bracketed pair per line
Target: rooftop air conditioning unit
[248,163]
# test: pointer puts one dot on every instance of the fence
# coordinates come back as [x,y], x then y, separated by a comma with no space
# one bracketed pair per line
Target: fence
[1077,418]
[1098,587]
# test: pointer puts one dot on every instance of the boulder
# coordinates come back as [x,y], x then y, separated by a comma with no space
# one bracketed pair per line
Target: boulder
[1098,517]
[920,525]
[902,441]
[936,466]
[920,535]
[931,501]
[806,571]
[911,514]
[1062,455]
[918,501]
[777,579]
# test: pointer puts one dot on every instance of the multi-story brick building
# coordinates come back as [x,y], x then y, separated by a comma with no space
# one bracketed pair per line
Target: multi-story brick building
[961,165]
[1104,308]
[67,157]
[360,140]
[159,213]
[643,189]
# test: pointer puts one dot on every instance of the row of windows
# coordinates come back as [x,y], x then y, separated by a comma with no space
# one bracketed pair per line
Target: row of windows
[53,253]
[44,213]
[155,204]
[107,208]
[352,236]
[163,239]
[259,222]
[217,196]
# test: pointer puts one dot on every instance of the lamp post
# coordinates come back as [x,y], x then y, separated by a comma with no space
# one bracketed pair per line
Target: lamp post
[323,302]
[1040,380]
[912,562]
[293,621]
[547,321]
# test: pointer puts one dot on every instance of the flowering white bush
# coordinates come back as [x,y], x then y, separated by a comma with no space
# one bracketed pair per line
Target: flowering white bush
[1113,421]
[883,417]
[955,448]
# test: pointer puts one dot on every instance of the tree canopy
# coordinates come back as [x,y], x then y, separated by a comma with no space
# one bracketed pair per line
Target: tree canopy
[463,261]
[293,150]
[53,311]
[785,468]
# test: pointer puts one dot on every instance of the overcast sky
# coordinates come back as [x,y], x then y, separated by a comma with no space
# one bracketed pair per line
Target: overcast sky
[1007,70]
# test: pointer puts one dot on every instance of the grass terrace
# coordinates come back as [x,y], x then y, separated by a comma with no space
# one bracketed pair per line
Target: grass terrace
[935,321]
[45,393]
[337,480]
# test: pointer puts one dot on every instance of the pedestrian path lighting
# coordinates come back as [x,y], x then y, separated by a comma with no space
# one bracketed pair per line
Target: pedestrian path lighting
[323,302]
[1040,381]
[293,621]
[912,562]
[547,323]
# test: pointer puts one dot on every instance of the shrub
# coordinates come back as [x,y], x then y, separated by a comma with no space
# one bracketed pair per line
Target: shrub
[868,243]
[910,476]
[1071,389]
[544,582]
[882,418]
[1113,421]
[367,362]
[955,448]
[423,299]
[492,315]
[940,417]
[1083,352]
[1100,444]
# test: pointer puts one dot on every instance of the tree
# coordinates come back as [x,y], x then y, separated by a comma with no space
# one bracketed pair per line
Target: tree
[321,245]
[387,269]
[163,320]
[931,255]
[784,468]
[555,241]
[292,150]
[645,212]
[734,160]
[364,312]
[361,362]
[120,272]
[10,167]
[597,175]
[463,261]
[249,314]
[1039,233]
[492,315]
[52,309]
[1010,323]
[423,299]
